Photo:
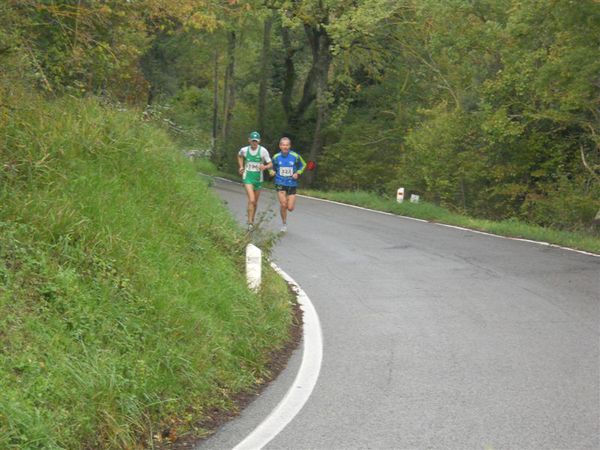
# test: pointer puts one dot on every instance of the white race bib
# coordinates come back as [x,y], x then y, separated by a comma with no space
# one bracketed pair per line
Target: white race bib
[286,171]
[252,166]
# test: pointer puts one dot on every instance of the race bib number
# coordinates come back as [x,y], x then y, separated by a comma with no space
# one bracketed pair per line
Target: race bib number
[286,171]
[252,166]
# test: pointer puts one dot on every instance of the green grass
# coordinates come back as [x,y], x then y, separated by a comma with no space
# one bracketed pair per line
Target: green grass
[206,167]
[123,304]
[434,213]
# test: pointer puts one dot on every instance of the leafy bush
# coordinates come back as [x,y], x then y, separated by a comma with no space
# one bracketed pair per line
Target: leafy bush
[563,207]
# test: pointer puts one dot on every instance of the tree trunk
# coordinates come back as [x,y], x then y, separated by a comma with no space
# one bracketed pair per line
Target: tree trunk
[295,114]
[229,94]
[225,100]
[151,94]
[213,141]
[265,60]
[321,63]
[311,83]
[463,194]
[290,74]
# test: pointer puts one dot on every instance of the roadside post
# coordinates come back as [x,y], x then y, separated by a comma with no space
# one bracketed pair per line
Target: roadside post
[400,195]
[253,266]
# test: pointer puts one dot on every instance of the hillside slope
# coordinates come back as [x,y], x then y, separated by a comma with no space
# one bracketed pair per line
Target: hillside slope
[123,304]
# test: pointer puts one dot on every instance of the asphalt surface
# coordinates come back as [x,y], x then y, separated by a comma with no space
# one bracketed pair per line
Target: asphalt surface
[433,337]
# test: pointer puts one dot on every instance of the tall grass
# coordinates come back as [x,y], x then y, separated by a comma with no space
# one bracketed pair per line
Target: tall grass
[123,304]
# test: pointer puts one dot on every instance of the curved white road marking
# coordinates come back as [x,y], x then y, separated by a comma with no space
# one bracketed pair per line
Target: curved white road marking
[363,208]
[305,381]
[547,244]
[457,227]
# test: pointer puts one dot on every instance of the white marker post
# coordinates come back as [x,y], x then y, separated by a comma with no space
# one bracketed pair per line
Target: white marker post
[253,266]
[400,195]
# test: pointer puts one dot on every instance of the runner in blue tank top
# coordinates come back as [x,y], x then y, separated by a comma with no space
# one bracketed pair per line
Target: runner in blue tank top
[288,166]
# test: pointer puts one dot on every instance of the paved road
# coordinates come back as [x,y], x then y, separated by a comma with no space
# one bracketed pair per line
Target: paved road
[435,337]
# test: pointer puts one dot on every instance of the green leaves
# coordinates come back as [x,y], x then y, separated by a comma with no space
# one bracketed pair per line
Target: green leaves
[490,101]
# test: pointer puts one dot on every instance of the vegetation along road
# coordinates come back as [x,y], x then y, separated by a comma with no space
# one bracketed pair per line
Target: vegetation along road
[125,317]
[437,337]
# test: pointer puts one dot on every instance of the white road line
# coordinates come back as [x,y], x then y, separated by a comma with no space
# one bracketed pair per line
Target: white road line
[223,179]
[363,208]
[305,381]
[548,244]
[456,227]
[583,252]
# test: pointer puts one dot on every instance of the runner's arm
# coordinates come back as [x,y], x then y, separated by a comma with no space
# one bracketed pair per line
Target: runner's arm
[274,162]
[300,162]
[266,158]
[240,160]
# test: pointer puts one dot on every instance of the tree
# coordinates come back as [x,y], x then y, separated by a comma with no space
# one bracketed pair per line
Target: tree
[265,72]
[230,86]
[322,21]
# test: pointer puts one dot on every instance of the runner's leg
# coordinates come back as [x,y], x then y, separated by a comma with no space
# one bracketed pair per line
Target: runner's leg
[251,202]
[256,196]
[282,206]
[291,202]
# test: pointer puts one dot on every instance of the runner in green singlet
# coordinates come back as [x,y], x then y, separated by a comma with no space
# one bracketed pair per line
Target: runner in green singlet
[252,160]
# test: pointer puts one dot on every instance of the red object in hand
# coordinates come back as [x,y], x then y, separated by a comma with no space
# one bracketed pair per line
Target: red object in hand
[311,165]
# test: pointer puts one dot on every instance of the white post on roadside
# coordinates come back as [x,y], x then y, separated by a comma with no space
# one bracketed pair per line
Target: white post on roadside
[253,266]
[400,195]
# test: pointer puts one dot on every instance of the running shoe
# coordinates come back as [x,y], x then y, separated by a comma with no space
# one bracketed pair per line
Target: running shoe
[250,227]
[283,229]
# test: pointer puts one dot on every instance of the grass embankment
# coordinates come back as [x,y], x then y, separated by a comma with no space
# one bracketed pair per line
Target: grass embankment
[123,303]
[433,213]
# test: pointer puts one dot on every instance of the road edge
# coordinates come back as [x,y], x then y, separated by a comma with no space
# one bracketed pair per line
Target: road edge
[306,378]
[457,227]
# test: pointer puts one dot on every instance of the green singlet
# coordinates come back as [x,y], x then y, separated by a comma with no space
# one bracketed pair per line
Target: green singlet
[252,172]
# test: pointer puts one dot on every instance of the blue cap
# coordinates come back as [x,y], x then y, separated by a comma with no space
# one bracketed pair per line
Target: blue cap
[255,136]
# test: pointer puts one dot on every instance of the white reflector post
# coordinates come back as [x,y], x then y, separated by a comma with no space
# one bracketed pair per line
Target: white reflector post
[400,195]
[253,266]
